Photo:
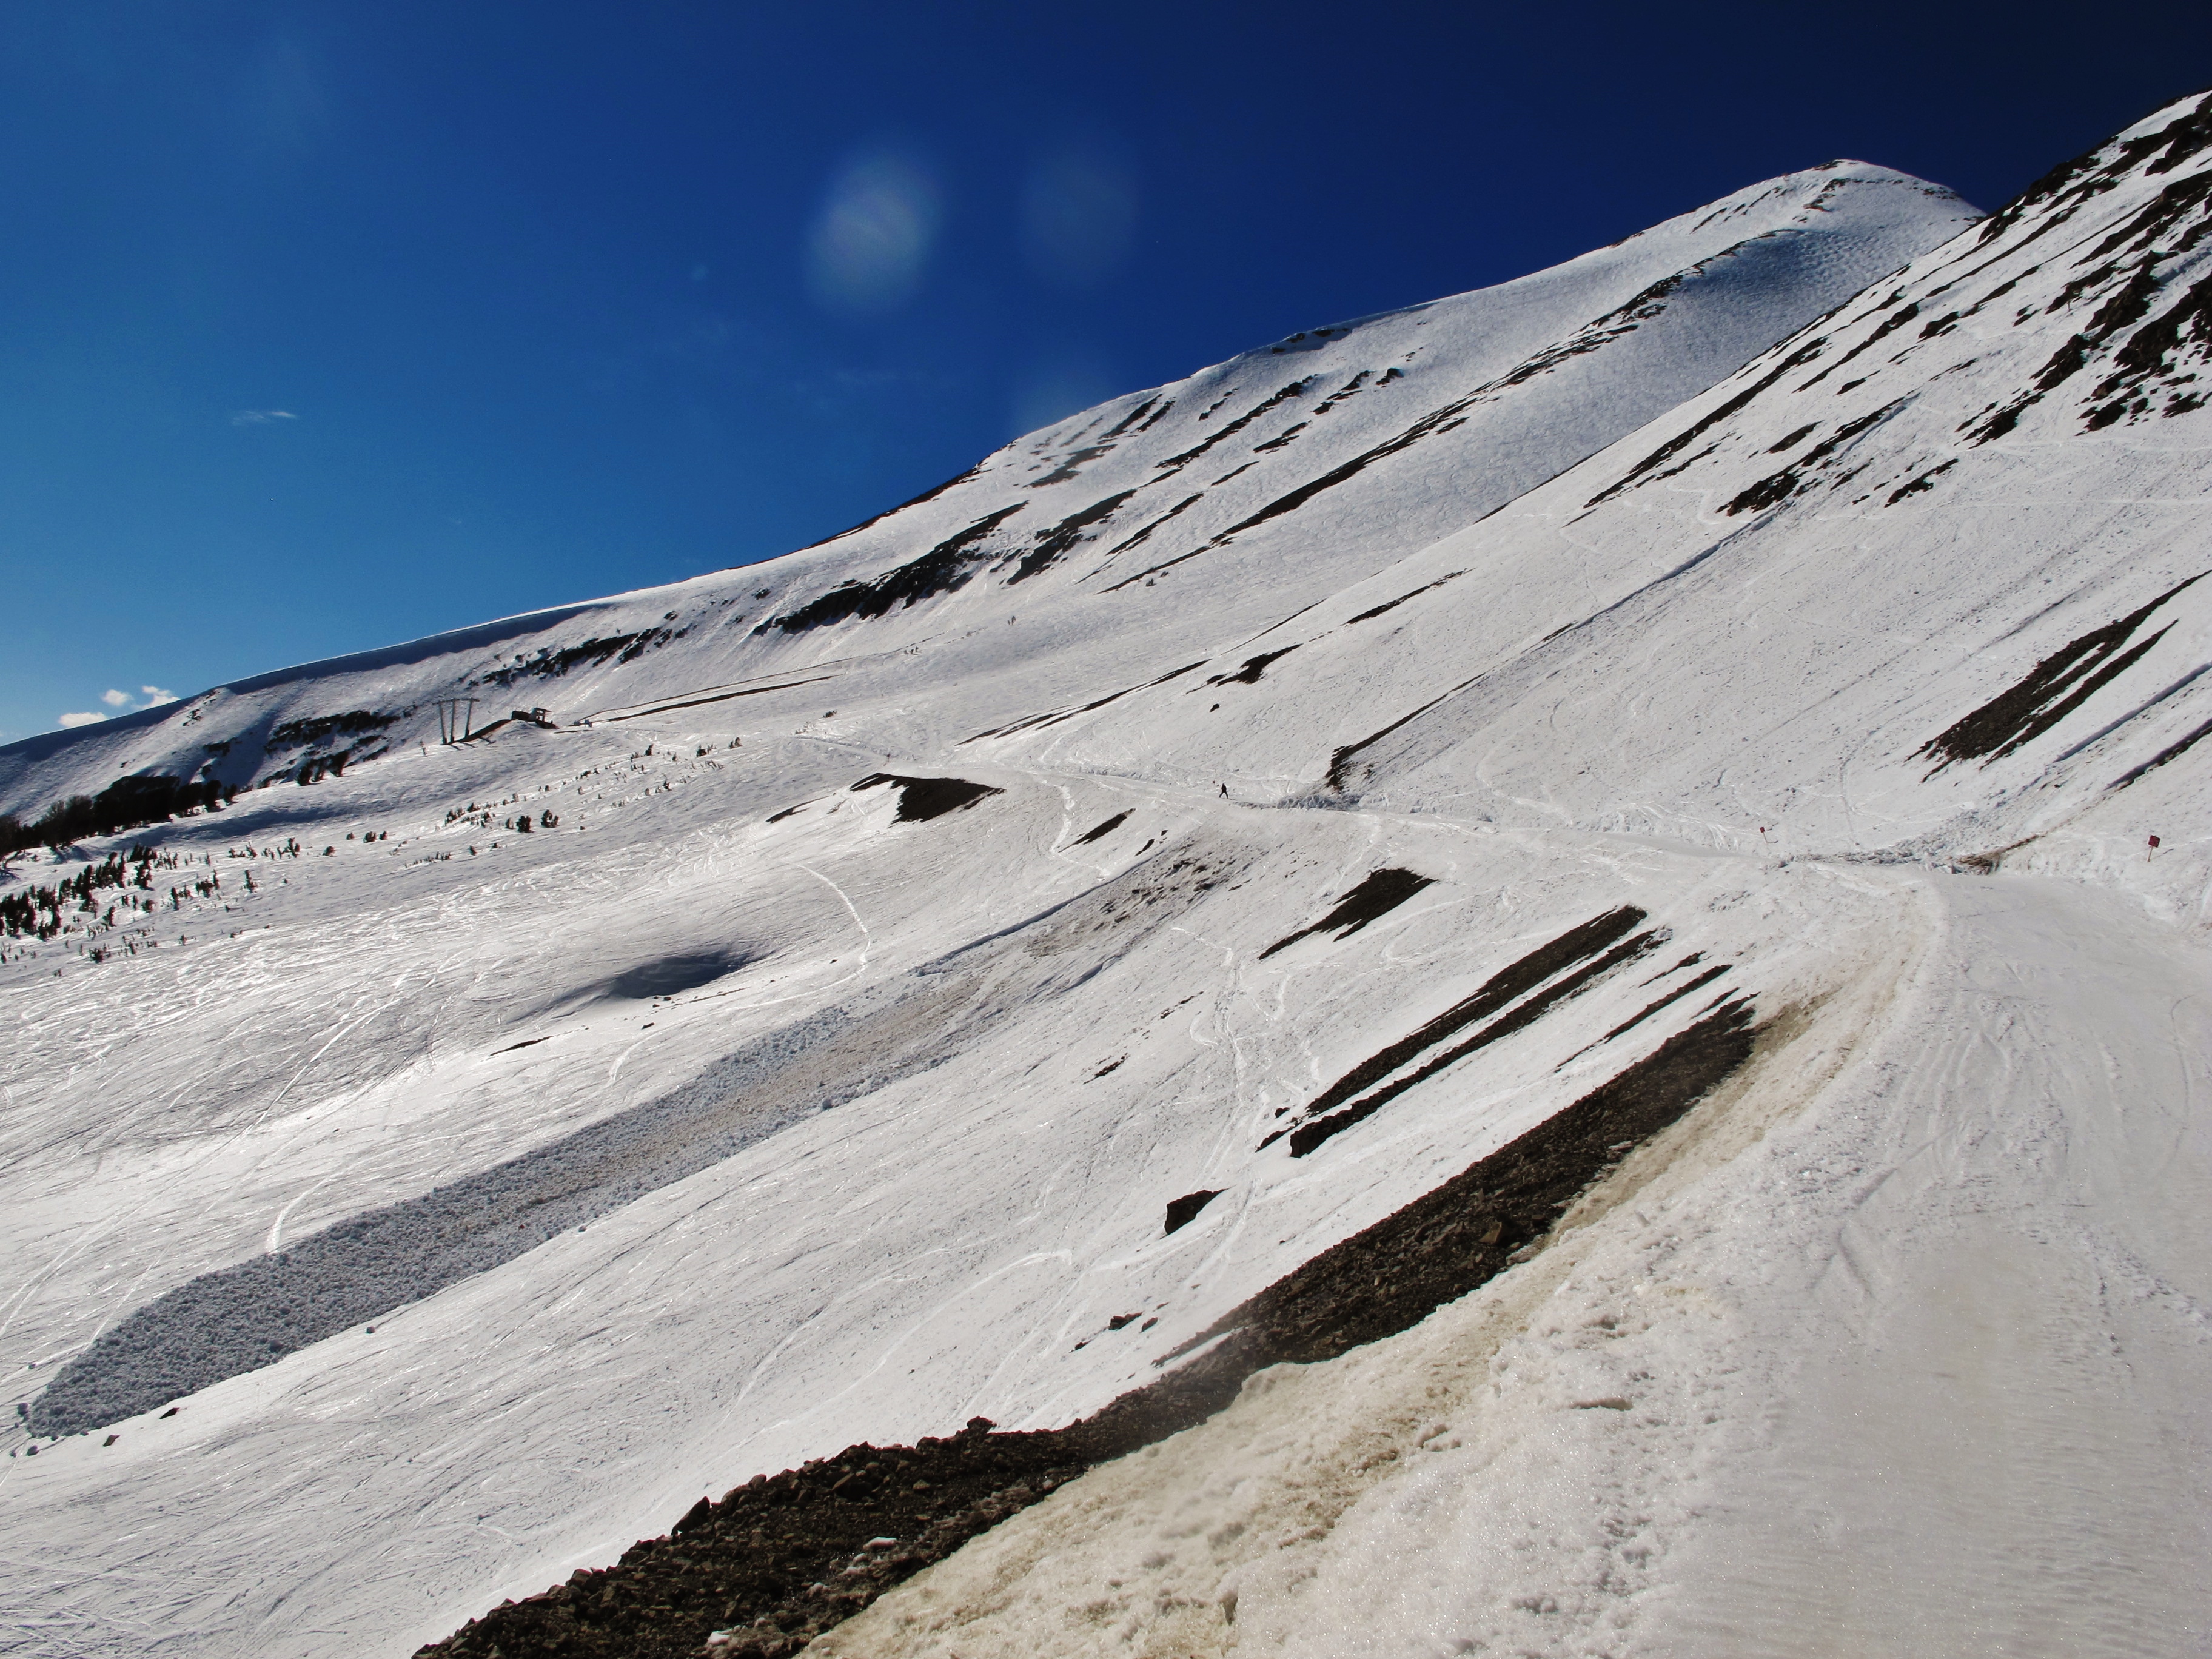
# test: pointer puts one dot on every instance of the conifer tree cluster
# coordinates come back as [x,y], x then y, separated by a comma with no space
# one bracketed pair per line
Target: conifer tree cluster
[626,647]
[37,910]
[126,804]
[355,723]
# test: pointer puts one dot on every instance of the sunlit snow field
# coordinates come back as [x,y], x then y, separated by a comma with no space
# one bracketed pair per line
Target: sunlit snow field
[737,1110]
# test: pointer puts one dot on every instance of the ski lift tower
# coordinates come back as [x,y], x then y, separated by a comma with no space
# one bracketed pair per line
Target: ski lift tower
[456,719]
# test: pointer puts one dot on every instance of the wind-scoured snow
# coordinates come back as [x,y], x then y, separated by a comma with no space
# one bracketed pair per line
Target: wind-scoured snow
[947,970]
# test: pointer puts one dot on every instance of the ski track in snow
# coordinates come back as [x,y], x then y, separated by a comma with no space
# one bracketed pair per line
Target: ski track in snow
[1931,1387]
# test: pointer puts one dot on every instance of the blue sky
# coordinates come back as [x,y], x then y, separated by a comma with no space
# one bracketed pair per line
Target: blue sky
[333,325]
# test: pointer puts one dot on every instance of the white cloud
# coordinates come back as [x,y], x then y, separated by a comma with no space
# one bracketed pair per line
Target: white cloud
[261,417]
[149,696]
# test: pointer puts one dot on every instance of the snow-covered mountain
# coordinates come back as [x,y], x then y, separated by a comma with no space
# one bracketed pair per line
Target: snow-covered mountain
[1379,435]
[954,969]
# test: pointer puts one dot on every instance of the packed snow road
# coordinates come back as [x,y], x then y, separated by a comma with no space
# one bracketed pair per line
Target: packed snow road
[1924,1370]
[2000,1441]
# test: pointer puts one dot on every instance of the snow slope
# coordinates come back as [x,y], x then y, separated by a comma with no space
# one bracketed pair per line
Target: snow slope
[746,1110]
[1443,412]
[1943,1395]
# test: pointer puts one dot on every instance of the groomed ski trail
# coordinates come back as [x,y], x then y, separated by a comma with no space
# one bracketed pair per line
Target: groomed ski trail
[1898,1344]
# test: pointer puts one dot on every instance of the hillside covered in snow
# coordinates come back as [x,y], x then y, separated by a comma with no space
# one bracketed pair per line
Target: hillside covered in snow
[1526,976]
